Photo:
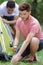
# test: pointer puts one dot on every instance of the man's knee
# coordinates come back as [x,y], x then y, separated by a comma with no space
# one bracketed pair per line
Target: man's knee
[34,42]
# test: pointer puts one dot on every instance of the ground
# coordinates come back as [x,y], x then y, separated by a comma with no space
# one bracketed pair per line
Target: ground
[39,62]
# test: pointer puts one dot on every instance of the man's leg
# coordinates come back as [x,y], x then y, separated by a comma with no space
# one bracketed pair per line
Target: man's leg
[23,55]
[34,45]
[31,50]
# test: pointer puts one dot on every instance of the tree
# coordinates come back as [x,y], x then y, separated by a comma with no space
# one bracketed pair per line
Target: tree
[34,7]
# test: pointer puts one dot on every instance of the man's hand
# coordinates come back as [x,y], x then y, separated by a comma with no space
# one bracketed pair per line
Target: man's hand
[3,20]
[14,48]
[15,59]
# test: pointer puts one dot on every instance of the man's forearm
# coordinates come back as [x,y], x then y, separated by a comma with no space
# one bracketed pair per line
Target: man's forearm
[16,41]
[24,46]
[9,22]
[26,43]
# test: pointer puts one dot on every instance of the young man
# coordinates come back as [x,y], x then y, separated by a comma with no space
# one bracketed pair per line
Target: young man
[31,31]
[9,13]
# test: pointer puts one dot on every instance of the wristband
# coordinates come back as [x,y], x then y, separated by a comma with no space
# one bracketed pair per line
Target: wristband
[15,46]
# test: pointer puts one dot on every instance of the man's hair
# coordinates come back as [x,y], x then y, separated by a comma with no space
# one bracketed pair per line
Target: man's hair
[24,6]
[10,4]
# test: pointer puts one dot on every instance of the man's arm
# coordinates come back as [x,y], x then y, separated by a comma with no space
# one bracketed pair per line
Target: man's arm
[26,43]
[17,37]
[10,22]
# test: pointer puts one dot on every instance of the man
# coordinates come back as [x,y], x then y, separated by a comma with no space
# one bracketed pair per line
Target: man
[9,13]
[31,31]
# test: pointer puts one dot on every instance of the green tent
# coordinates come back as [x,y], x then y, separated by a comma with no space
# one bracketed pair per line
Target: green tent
[5,39]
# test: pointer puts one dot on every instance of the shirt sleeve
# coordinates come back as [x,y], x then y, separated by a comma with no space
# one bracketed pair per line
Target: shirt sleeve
[17,24]
[16,12]
[35,29]
[1,12]
[2,8]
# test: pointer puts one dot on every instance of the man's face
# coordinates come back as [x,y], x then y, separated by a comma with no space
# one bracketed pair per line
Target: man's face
[24,14]
[10,10]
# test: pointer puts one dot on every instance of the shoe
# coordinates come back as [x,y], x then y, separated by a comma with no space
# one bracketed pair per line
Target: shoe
[34,60]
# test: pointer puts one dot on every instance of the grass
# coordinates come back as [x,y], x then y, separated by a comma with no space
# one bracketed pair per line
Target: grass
[39,54]
[40,61]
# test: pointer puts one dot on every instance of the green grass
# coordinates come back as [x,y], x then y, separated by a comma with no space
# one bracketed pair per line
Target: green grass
[39,62]
[39,54]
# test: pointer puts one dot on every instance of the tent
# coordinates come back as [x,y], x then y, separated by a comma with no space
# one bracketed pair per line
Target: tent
[6,40]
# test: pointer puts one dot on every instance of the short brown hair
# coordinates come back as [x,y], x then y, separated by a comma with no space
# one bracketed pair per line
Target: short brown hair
[24,6]
[10,4]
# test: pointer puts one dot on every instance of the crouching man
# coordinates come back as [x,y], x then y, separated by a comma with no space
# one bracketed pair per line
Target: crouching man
[30,28]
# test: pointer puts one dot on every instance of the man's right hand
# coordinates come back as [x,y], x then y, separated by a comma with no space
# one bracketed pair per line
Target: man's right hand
[14,48]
